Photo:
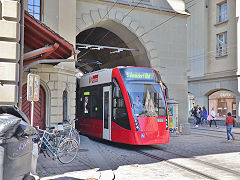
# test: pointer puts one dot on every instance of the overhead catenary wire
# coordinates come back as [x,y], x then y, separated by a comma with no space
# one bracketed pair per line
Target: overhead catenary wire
[211,54]
[155,27]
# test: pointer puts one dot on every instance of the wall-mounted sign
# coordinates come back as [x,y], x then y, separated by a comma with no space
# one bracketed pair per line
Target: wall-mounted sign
[93,79]
[33,84]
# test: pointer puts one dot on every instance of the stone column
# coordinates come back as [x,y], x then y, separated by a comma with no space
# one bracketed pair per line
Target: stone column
[9,50]
[60,81]
[238,108]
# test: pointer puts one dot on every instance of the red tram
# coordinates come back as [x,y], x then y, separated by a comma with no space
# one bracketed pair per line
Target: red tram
[123,104]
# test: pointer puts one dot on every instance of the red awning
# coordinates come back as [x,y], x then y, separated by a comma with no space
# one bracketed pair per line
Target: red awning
[45,43]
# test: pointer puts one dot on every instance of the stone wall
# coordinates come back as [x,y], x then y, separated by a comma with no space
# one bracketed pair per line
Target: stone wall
[9,50]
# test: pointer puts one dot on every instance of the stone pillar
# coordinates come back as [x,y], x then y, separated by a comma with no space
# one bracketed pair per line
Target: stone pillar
[238,36]
[60,81]
[238,108]
[9,50]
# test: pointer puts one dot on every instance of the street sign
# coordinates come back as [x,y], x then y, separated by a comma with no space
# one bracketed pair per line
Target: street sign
[33,84]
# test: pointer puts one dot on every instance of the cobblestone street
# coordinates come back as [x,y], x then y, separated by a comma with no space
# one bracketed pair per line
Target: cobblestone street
[205,154]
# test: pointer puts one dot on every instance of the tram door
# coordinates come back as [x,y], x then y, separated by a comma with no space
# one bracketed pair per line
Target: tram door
[107,104]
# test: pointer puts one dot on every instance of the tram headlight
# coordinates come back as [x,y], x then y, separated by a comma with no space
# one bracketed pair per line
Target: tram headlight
[137,125]
[167,122]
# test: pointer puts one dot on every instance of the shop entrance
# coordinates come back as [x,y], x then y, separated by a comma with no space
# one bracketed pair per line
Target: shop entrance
[222,101]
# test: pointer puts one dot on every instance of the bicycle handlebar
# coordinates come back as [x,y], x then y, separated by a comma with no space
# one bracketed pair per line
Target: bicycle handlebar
[44,131]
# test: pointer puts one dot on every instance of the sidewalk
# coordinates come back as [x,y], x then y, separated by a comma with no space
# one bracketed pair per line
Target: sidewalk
[220,128]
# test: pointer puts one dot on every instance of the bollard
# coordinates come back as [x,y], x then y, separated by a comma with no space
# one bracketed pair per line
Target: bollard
[34,159]
[180,129]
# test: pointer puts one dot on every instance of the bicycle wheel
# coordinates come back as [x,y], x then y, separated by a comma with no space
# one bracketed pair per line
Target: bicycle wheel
[67,150]
[75,135]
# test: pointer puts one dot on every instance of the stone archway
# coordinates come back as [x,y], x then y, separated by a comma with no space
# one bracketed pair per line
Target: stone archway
[125,27]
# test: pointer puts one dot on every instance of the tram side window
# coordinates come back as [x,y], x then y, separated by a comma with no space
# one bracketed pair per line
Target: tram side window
[90,105]
[86,104]
[162,109]
[120,115]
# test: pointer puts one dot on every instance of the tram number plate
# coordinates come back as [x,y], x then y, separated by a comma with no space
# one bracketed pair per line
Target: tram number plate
[160,120]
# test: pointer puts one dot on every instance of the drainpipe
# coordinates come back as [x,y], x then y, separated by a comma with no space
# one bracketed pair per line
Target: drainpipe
[21,56]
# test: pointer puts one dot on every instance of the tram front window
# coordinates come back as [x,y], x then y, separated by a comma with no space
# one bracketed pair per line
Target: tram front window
[147,100]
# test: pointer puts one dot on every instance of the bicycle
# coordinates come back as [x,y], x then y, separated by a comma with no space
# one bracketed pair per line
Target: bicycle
[64,149]
[71,132]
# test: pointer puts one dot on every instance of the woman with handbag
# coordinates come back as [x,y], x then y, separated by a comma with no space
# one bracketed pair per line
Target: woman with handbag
[229,125]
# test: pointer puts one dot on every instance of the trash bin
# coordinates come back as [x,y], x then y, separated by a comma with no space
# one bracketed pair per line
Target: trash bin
[17,158]
[15,147]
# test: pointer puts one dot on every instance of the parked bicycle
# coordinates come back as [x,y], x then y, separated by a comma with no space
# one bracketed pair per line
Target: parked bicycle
[70,132]
[56,146]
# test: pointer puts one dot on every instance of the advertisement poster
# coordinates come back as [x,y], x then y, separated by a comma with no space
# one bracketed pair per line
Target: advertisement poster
[170,122]
[170,111]
[33,84]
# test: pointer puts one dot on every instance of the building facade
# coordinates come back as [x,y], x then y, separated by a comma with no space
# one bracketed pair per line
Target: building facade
[213,54]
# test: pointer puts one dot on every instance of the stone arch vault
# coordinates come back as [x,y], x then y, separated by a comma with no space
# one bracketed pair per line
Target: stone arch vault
[126,27]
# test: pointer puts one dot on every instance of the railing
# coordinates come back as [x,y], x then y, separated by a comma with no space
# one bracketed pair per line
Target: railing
[221,51]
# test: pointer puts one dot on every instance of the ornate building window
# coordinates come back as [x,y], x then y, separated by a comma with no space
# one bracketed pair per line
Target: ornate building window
[65,105]
[34,8]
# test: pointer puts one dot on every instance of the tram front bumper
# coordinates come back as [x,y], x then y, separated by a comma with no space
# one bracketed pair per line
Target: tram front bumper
[151,137]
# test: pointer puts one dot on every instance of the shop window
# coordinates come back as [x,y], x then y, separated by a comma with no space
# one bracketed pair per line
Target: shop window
[34,8]
[222,102]
[90,103]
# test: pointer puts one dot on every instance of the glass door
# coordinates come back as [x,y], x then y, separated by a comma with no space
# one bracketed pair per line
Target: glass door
[107,113]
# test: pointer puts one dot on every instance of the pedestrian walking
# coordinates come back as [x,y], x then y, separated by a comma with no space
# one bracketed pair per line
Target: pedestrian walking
[213,115]
[204,116]
[198,115]
[194,114]
[229,125]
